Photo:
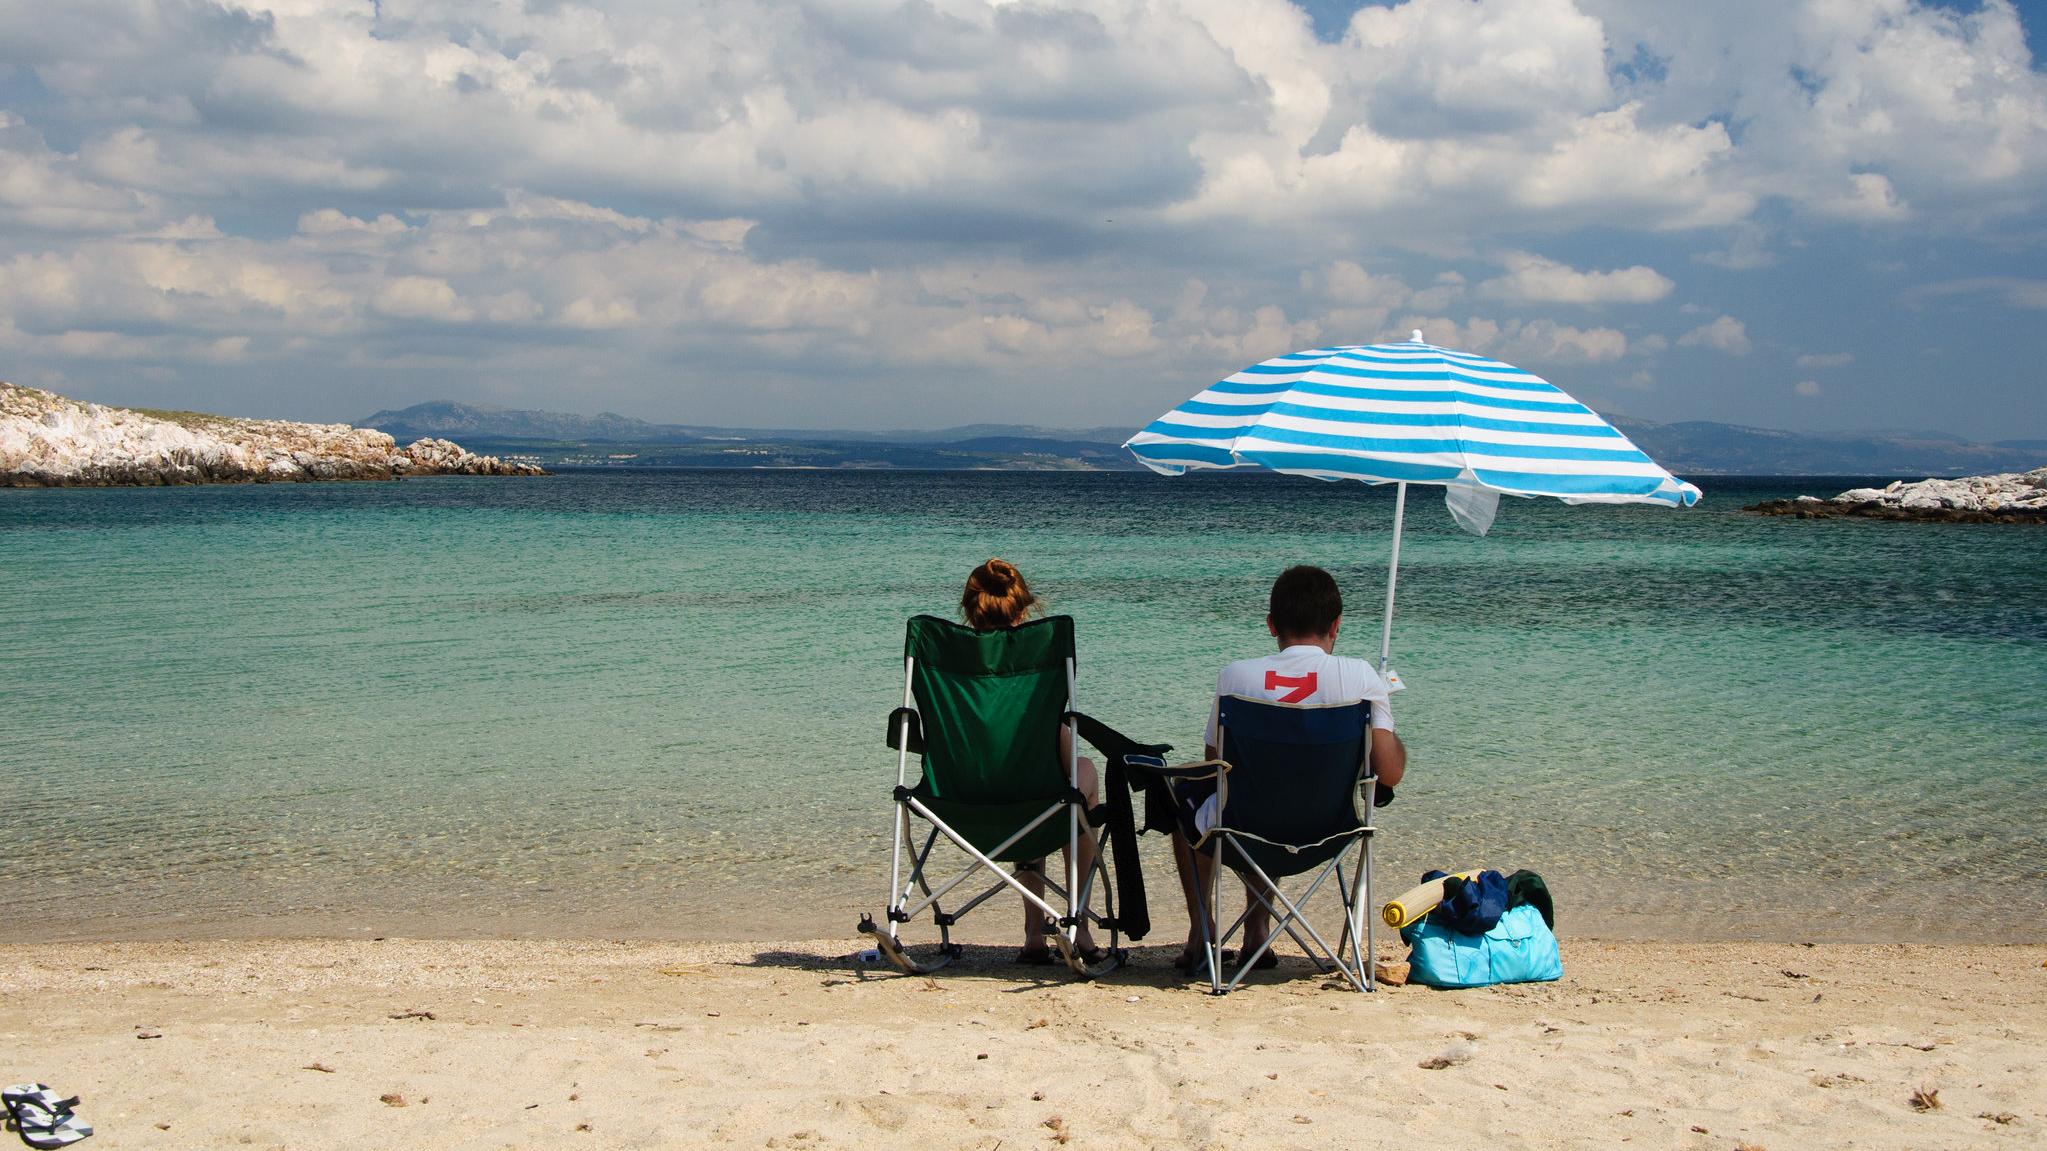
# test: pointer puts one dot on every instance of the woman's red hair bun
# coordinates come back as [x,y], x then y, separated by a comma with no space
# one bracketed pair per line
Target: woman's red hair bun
[996,596]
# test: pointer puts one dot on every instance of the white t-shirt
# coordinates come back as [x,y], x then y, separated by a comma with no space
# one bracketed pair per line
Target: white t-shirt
[1303,674]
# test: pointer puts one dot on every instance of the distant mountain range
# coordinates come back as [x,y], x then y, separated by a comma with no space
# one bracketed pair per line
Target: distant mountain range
[1692,447]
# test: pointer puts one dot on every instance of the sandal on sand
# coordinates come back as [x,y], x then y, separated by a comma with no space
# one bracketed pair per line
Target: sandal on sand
[1032,957]
[41,1117]
[1267,961]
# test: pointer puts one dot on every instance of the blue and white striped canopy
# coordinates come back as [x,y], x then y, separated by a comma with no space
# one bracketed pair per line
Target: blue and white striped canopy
[1414,413]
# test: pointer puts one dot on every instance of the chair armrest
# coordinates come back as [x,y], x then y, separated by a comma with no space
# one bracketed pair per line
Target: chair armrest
[1108,740]
[1156,765]
[1381,793]
[896,720]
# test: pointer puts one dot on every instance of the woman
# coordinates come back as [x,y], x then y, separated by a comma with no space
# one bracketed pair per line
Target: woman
[996,597]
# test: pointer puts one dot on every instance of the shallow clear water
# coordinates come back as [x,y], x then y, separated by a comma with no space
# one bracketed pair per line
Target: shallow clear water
[651,703]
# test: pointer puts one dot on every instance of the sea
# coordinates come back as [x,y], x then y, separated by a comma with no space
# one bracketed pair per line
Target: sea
[624,703]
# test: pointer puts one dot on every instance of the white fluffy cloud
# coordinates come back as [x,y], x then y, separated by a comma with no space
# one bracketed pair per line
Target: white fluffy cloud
[1531,279]
[1872,110]
[1533,344]
[1725,334]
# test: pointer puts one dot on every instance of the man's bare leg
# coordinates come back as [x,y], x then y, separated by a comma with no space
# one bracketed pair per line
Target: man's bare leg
[1193,871]
[1257,917]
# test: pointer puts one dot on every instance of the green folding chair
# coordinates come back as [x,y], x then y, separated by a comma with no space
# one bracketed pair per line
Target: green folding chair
[983,709]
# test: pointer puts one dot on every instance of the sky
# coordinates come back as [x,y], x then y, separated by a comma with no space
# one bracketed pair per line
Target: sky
[1822,215]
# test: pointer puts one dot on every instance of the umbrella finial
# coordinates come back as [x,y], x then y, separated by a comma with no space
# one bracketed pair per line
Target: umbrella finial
[1416,338]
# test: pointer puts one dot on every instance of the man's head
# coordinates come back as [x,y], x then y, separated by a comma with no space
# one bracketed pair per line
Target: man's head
[1305,606]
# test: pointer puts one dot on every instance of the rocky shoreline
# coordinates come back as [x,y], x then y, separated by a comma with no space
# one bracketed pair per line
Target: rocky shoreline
[48,440]
[2013,497]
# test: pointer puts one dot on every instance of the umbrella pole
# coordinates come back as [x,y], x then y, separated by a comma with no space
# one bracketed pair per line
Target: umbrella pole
[1392,578]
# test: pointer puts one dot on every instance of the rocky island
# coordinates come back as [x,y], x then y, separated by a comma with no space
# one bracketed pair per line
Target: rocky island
[2014,497]
[48,440]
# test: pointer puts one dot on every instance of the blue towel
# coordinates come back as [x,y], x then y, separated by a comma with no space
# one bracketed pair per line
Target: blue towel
[1470,906]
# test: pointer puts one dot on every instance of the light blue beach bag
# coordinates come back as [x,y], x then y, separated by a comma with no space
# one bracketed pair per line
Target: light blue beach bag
[1519,949]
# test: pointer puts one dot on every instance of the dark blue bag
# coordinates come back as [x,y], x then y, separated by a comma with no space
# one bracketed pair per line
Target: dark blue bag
[1470,906]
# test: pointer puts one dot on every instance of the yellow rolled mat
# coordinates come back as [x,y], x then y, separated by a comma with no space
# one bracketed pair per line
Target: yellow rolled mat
[1419,901]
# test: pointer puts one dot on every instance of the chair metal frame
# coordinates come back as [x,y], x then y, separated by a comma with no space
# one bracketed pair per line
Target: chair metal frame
[1078,893]
[1354,892]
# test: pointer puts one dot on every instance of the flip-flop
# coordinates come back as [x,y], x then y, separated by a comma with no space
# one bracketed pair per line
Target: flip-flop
[43,1118]
[1189,960]
[1033,957]
[64,1132]
[38,1095]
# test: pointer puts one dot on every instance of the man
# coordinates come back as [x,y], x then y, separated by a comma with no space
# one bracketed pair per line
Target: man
[1305,613]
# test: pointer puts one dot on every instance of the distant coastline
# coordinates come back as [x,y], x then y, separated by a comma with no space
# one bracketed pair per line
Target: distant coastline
[608,440]
[48,440]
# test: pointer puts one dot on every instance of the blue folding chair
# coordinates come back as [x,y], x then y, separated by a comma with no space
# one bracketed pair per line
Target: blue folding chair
[1294,795]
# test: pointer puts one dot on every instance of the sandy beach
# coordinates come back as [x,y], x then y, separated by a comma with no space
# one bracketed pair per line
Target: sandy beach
[481,1044]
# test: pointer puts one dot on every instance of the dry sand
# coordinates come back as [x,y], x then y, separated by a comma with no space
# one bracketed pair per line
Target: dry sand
[324,1043]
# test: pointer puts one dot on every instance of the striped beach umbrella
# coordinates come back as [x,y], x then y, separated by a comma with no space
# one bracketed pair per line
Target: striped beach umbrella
[1409,413]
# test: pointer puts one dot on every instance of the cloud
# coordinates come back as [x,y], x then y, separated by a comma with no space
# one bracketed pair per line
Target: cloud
[49,191]
[1533,279]
[2012,291]
[1826,360]
[1725,334]
[932,207]
[1531,344]
[1806,388]
[1877,111]
[330,222]
[1746,251]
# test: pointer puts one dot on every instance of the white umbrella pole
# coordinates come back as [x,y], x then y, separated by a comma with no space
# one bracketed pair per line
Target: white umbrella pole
[1392,578]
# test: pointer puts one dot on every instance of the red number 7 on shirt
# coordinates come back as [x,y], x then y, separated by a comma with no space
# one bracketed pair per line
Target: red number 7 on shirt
[1303,685]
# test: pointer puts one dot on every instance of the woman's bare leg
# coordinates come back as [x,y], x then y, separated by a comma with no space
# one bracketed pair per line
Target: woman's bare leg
[1084,772]
[1034,881]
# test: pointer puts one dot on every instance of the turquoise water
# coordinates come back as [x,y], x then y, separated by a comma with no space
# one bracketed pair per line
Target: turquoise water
[651,704]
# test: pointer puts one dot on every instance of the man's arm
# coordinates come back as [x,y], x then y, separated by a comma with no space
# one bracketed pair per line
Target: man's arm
[1389,757]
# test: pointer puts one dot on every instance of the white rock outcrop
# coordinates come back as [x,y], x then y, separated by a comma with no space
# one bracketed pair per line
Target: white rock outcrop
[2010,492]
[48,440]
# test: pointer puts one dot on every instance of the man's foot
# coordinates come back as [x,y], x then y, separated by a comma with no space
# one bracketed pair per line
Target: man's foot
[1193,960]
[1267,961]
[1035,957]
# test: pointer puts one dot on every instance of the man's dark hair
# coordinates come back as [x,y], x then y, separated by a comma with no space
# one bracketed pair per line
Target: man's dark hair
[1305,602]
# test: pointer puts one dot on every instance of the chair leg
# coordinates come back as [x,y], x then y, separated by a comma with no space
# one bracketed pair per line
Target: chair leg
[1292,916]
[895,868]
[1095,886]
[1371,923]
[1211,920]
[1356,905]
